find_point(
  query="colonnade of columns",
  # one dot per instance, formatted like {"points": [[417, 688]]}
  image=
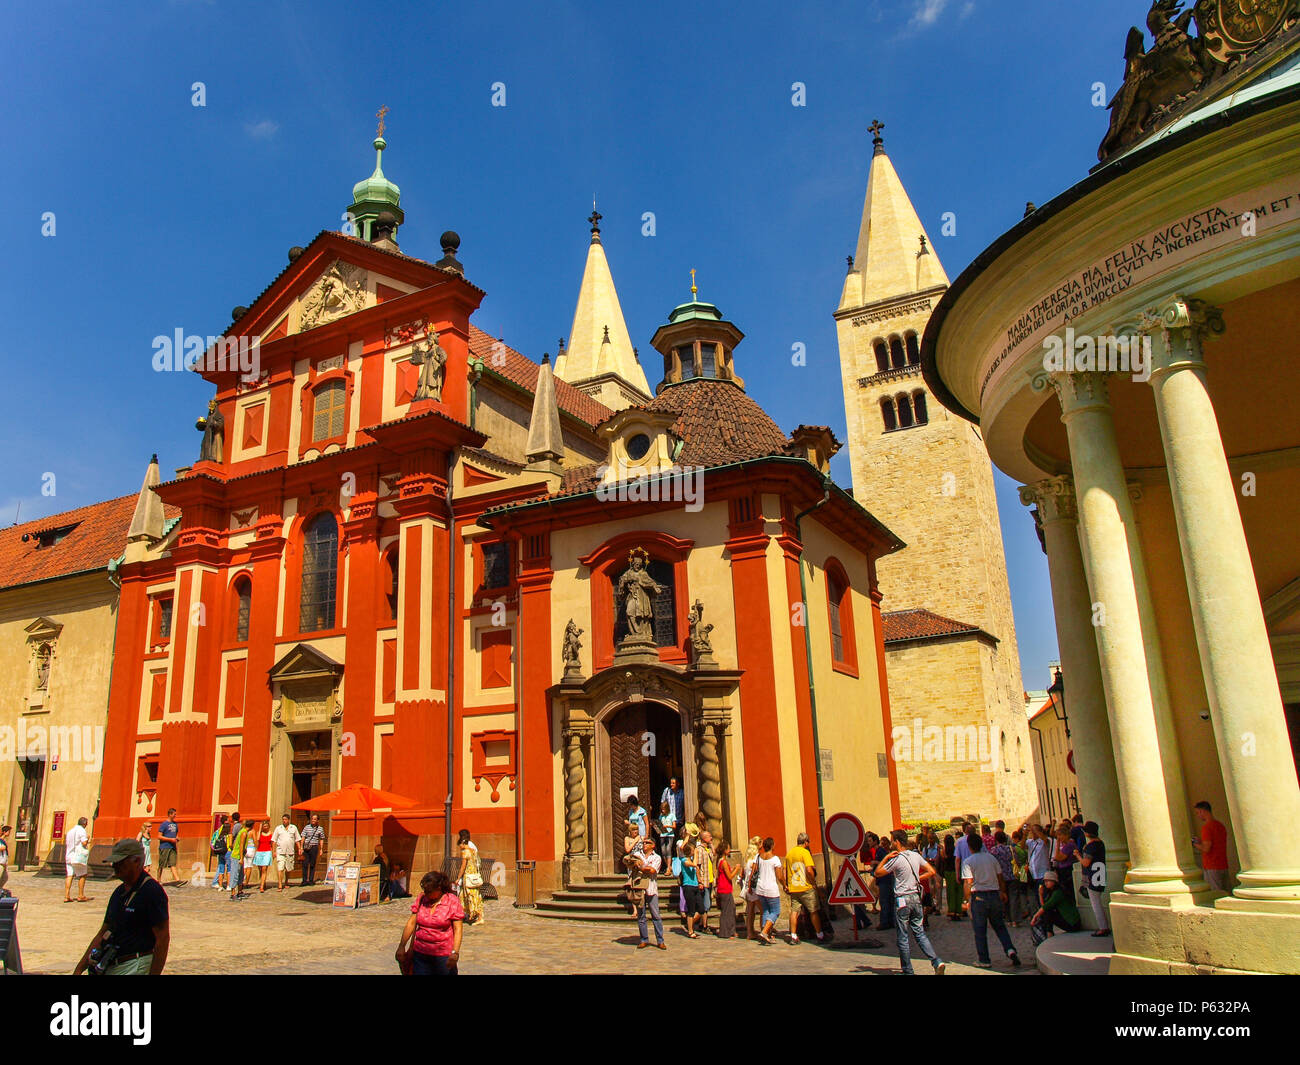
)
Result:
{"points": [[1128, 760]]}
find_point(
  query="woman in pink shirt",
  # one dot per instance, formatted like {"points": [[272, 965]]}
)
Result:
{"points": [[433, 930]]}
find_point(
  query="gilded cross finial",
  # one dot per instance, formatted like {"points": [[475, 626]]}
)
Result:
{"points": [[694, 290], [380, 115]]}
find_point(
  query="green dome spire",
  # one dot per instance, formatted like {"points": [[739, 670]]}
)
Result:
{"points": [[376, 194]]}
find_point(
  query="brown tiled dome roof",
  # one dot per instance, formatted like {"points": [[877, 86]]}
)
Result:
{"points": [[717, 422]]}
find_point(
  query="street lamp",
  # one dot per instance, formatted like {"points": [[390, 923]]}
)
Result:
{"points": [[1057, 694]]}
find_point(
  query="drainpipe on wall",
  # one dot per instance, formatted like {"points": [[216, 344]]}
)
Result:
{"points": [[451, 675], [812, 684], [112, 579]]}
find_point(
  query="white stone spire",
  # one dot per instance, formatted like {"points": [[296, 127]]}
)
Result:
{"points": [[894, 254], [147, 521], [599, 358]]}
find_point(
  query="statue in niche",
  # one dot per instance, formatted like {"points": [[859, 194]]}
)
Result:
{"points": [[213, 428], [635, 588], [430, 357], [572, 652], [43, 655]]}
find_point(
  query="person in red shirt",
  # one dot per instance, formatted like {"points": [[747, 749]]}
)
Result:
{"points": [[1212, 847]]}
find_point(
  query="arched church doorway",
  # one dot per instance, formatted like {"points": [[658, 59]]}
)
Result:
{"points": [[645, 751]]}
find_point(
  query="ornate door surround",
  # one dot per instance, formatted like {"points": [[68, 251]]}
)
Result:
{"points": [[703, 701]]}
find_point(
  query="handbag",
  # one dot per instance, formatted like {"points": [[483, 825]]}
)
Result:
{"points": [[473, 880]]}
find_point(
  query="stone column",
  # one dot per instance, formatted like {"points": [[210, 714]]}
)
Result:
{"points": [[708, 772], [1236, 659], [575, 807], [1085, 698], [1108, 540]]}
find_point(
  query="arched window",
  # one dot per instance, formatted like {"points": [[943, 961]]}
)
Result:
{"points": [[839, 608], [392, 569], [1020, 756], [328, 410], [241, 608], [918, 407], [663, 605], [897, 358], [882, 356], [887, 412], [904, 412], [1006, 762], [320, 561], [913, 351]]}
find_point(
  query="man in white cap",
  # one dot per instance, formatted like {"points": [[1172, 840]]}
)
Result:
{"points": [[136, 933]]}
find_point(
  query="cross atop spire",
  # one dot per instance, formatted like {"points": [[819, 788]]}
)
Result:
{"points": [[380, 115], [594, 218], [876, 139]]}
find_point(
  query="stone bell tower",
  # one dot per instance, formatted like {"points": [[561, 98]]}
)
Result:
{"points": [[926, 474]]}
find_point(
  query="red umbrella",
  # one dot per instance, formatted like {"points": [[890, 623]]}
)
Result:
{"points": [[357, 798]]}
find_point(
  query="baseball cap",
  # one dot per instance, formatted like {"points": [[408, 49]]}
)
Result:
{"points": [[124, 849]]}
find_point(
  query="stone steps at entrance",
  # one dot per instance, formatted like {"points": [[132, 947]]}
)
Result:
{"points": [[595, 898]]}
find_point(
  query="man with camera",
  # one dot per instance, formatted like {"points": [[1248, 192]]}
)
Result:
{"points": [[136, 932]]}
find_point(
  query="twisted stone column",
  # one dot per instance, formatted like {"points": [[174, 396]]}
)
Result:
{"points": [[575, 807], [708, 773]]}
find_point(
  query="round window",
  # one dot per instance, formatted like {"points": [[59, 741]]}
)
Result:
{"points": [[637, 446]]}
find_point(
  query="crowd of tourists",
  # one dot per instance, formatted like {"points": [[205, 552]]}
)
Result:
{"points": [[974, 870]]}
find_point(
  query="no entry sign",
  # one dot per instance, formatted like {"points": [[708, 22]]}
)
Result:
{"points": [[844, 834]]}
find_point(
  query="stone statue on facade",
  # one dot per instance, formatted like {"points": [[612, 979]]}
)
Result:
{"points": [[213, 428], [700, 640], [572, 651], [430, 357], [635, 588], [1156, 82]]}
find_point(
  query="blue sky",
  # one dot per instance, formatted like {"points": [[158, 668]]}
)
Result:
{"points": [[167, 215]]}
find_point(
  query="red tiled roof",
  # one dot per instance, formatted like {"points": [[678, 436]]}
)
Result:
{"points": [[717, 423], [920, 624], [99, 537], [522, 371]]}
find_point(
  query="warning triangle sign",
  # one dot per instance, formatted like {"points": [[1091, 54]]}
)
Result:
{"points": [[849, 887]]}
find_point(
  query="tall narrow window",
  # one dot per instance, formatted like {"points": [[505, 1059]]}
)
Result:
{"points": [[320, 560], [496, 565], [887, 412], [882, 356], [243, 607], [707, 352], [327, 420], [905, 413], [393, 569], [687, 356], [839, 609], [836, 594], [913, 352], [165, 618], [918, 407], [897, 357]]}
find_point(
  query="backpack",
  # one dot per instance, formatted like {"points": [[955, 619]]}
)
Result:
{"points": [[218, 843]]}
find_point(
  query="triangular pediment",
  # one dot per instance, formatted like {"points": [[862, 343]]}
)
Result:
{"points": [[43, 628], [303, 662]]}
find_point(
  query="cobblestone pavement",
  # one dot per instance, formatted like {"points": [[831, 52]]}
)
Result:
{"points": [[300, 933]]}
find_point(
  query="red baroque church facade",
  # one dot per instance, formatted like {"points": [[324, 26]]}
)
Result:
{"points": [[398, 562]]}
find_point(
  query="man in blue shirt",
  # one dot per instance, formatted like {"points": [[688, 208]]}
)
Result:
{"points": [[167, 848], [676, 800]]}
